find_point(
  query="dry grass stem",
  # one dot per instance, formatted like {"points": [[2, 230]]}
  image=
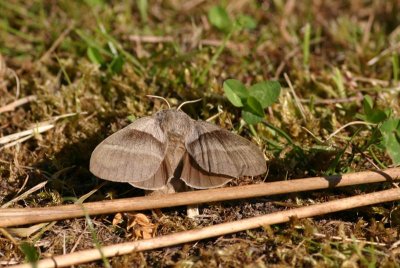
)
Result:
{"points": [[333, 101], [13, 139], [23, 134], [385, 52], [346, 239], [25, 194], [57, 42], [296, 99], [347, 125], [21, 216], [171, 39]]}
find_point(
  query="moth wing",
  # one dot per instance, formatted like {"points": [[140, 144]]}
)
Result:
{"points": [[132, 154], [162, 176], [218, 151], [197, 178]]}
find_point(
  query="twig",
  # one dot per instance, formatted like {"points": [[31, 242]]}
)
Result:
{"points": [[22, 216], [57, 42], [333, 101], [383, 54], [11, 106], [22, 134], [312, 134], [171, 39], [20, 140], [151, 38], [346, 239], [4, 70], [217, 230], [27, 231], [23, 185], [25, 194], [347, 125], [18, 90], [188, 5], [220, 111], [395, 245], [12, 139], [6, 234], [372, 81], [296, 99]]}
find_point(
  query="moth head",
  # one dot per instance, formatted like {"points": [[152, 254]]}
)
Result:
{"points": [[174, 121], [169, 105]]}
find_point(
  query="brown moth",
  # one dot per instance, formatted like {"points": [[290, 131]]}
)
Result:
{"points": [[153, 150]]}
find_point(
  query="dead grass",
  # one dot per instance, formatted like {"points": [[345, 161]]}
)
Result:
{"points": [[45, 44]]}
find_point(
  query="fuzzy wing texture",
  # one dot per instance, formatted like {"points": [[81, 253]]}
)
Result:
{"points": [[197, 178], [218, 151], [134, 154], [157, 181]]}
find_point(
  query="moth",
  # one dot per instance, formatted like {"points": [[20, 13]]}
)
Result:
{"points": [[154, 151]]}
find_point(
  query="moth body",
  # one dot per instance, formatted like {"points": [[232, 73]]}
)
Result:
{"points": [[176, 125], [155, 152]]}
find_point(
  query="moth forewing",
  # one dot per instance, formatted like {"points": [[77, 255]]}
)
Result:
{"points": [[132, 154], [218, 151]]}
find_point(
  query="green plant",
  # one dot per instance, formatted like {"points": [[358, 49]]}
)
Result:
{"points": [[220, 19], [252, 100], [306, 45], [143, 7], [30, 252], [395, 67], [371, 113], [113, 64], [390, 131], [389, 128]]}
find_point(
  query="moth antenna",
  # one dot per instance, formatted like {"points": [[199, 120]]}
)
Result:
{"points": [[161, 98], [186, 102]]}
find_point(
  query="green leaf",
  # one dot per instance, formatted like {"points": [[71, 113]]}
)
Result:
{"points": [[390, 130], [251, 118], [246, 22], [266, 92], [252, 111], [116, 65], [368, 104], [143, 7], [30, 252], [235, 91], [377, 116], [373, 115], [254, 106], [218, 17], [306, 45], [95, 56], [94, 3], [232, 97]]}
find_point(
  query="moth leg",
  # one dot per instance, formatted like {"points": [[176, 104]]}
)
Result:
{"points": [[192, 211]]}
